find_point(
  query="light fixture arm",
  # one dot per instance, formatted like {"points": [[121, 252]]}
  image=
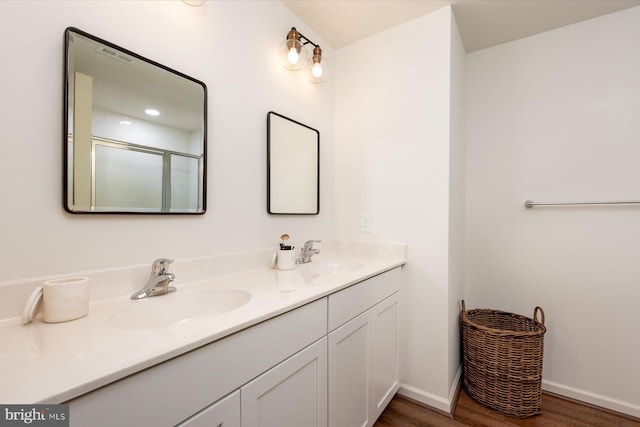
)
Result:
{"points": [[299, 35]]}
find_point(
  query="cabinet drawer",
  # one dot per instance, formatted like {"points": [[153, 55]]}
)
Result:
{"points": [[356, 299]]}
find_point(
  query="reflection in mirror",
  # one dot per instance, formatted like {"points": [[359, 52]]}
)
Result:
{"points": [[135, 132], [293, 167]]}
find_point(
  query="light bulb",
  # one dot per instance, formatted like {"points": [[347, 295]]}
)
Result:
{"points": [[316, 70], [293, 56]]}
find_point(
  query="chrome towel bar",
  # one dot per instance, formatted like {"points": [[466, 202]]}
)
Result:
{"points": [[531, 203]]}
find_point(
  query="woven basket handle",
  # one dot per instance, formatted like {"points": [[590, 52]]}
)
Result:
{"points": [[463, 307], [535, 315]]}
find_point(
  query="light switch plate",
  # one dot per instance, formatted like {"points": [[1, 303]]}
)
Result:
{"points": [[365, 223]]}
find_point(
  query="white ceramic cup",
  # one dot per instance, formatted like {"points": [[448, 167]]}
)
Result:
{"points": [[286, 259], [62, 300]]}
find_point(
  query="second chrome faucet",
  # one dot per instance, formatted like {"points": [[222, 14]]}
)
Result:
{"points": [[308, 251]]}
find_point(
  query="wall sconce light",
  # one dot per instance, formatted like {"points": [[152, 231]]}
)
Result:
{"points": [[294, 56]]}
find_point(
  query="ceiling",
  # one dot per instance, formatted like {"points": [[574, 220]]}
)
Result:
{"points": [[126, 85], [482, 23]]}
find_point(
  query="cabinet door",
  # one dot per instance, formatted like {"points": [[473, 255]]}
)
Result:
{"points": [[384, 354], [349, 399], [223, 413], [292, 394]]}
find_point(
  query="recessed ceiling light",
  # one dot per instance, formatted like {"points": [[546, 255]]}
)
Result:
{"points": [[125, 122], [152, 112]]}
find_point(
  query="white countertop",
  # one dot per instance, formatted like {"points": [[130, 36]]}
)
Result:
{"points": [[53, 363]]}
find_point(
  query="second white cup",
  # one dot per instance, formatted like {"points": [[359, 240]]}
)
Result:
{"points": [[286, 259]]}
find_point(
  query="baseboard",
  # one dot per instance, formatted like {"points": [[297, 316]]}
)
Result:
{"points": [[455, 391], [447, 406], [438, 403], [622, 407], [423, 397]]}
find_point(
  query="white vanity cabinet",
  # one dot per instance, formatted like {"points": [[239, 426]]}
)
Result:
{"points": [[363, 350], [330, 363]]}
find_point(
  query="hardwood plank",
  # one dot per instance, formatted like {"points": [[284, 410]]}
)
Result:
{"points": [[404, 413], [556, 412]]}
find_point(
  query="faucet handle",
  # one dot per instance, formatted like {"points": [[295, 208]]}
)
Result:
{"points": [[308, 248], [311, 245], [160, 266]]}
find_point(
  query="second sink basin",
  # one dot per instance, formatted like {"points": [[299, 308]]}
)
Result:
{"points": [[177, 307], [334, 266]]}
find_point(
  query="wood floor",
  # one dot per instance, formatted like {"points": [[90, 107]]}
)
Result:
{"points": [[556, 412]]}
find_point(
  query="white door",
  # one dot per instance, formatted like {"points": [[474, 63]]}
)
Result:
{"points": [[385, 378], [292, 394], [349, 398]]}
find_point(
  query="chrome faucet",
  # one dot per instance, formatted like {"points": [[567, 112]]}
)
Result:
{"points": [[159, 280], [307, 252]]}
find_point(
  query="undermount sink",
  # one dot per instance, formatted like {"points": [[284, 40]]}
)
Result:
{"points": [[177, 307], [335, 266]]}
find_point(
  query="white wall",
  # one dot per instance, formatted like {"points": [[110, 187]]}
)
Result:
{"points": [[554, 117], [393, 119], [457, 202], [233, 47]]}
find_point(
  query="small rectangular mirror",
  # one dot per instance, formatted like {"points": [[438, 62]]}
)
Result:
{"points": [[293, 167], [135, 132]]}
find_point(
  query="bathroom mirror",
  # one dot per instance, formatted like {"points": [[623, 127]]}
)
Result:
{"points": [[135, 132], [293, 167]]}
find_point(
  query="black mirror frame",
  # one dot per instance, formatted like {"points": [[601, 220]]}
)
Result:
{"points": [[65, 118], [317, 212]]}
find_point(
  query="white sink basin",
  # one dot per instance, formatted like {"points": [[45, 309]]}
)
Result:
{"points": [[177, 307], [335, 266]]}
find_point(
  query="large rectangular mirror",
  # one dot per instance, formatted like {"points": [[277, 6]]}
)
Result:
{"points": [[135, 132], [293, 167]]}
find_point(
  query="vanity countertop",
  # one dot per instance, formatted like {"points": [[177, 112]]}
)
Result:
{"points": [[53, 363]]}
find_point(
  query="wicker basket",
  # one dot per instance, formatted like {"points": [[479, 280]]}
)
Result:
{"points": [[502, 360]]}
